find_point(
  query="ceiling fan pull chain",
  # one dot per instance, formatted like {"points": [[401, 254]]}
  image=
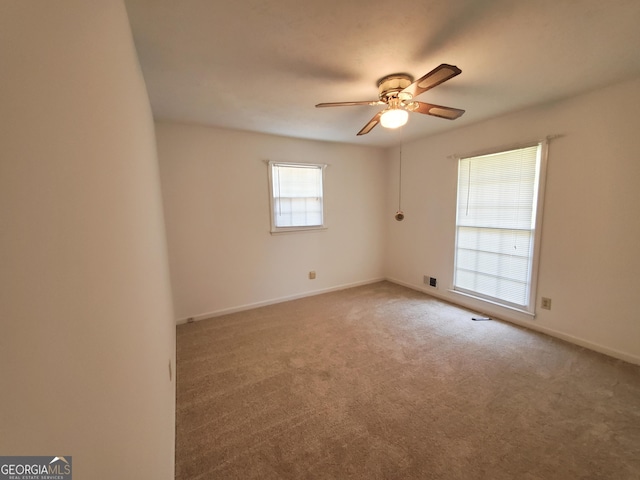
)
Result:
{"points": [[400, 182], [400, 214]]}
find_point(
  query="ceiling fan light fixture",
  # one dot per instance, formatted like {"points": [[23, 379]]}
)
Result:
{"points": [[394, 118]]}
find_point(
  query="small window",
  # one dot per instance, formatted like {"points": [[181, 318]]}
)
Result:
{"points": [[296, 196], [497, 226]]}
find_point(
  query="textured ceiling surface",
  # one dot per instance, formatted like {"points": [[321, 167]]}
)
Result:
{"points": [[262, 65]]}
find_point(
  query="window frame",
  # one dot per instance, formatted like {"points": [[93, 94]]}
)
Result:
{"points": [[272, 198], [538, 206]]}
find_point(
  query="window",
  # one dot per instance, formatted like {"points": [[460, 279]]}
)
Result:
{"points": [[496, 228], [296, 196]]}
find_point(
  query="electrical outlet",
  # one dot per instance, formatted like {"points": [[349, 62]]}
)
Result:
{"points": [[312, 275], [545, 303]]}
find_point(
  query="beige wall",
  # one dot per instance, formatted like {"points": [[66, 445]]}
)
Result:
{"points": [[589, 259], [85, 303], [216, 198]]}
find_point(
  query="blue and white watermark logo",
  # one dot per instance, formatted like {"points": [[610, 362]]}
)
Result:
{"points": [[36, 468]]}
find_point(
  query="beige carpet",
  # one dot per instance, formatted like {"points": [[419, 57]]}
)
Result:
{"points": [[381, 382]]}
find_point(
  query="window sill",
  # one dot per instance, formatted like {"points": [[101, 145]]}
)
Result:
{"points": [[288, 230], [501, 305]]}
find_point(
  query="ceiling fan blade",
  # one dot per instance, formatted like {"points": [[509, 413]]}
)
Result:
{"points": [[438, 110], [372, 123], [349, 104], [435, 77]]}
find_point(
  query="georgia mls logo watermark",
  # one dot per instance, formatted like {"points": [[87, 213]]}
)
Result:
{"points": [[35, 468]]}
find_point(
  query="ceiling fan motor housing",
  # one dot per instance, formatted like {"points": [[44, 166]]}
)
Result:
{"points": [[391, 85]]}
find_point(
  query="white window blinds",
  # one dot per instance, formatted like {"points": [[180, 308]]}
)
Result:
{"points": [[496, 218], [296, 196]]}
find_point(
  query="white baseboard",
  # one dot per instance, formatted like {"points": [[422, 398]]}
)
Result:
{"points": [[249, 306], [627, 357]]}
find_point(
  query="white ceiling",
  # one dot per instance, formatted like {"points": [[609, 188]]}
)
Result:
{"points": [[262, 65]]}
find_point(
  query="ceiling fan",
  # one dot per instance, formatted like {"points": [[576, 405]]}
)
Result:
{"points": [[397, 92]]}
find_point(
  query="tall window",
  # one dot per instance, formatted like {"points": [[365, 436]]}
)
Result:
{"points": [[296, 196], [496, 226]]}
